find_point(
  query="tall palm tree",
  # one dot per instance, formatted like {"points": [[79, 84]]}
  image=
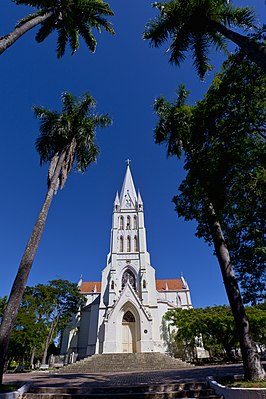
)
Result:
{"points": [[70, 18], [66, 140], [198, 24]]}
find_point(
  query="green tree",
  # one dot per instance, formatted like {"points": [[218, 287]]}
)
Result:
{"points": [[66, 140], [257, 318], [214, 328], [56, 304], [45, 310], [199, 24], [69, 18], [28, 335], [220, 146]]}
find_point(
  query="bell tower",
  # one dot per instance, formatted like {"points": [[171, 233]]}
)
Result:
{"points": [[128, 273], [128, 247]]}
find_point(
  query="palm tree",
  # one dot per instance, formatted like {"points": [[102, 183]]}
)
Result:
{"points": [[66, 140], [198, 24], [70, 18]]}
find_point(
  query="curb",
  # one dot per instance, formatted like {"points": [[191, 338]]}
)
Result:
{"points": [[236, 393], [16, 394]]}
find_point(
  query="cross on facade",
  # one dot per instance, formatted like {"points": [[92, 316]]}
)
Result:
{"points": [[128, 162]]}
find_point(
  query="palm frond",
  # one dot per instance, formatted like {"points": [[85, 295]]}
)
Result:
{"points": [[200, 46], [103, 120], [71, 132], [61, 41], [68, 163], [28, 18], [69, 101], [174, 122], [88, 37], [46, 29], [43, 4], [85, 106], [101, 7], [217, 40], [193, 25], [157, 31], [99, 22], [46, 142], [73, 38], [70, 18], [238, 16], [181, 43]]}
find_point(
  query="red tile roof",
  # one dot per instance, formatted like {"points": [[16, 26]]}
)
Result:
{"points": [[161, 285], [89, 286], [169, 285]]}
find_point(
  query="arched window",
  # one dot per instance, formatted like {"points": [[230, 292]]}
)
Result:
{"points": [[136, 244], [121, 223], [144, 284], [128, 244], [128, 276], [128, 223], [135, 222], [112, 285], [128, 317], [121, 244]]}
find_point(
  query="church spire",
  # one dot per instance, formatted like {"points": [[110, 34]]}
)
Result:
{"points": [[116, 202], [128, 195], [140, 202]]}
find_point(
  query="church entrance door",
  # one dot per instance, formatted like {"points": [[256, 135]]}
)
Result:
{"points": [[128, 333]]}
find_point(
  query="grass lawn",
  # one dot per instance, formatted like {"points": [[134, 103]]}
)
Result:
{"points": [[8, 388], [230, 382]]}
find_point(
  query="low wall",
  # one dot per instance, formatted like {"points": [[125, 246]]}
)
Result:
{"points": [[15, 394], [236, 393]]}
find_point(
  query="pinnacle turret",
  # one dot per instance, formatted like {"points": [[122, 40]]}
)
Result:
{"points": [[116, 202]]}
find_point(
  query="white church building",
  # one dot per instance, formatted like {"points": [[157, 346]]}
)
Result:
{"points": [[124, 312]]}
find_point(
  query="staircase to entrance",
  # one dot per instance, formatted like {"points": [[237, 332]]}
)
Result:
{"points": [[116, 362], [179, 390]]}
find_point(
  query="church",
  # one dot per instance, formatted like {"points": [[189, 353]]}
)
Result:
{"points": [[124, 312]]}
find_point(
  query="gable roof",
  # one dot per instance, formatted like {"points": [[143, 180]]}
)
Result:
{"points": [[161, 285], [91, 286], [175, 284]]}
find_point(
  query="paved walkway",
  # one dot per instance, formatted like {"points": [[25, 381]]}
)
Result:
{"points": [[128, 379]]}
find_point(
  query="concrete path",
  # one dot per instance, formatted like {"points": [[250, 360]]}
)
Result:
{"points": [[125, 379]]}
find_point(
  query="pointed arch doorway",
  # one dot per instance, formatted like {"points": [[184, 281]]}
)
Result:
{"points": [[129, 333]]}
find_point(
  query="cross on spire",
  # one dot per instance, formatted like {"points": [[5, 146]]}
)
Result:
{"points": [[128, 162]]}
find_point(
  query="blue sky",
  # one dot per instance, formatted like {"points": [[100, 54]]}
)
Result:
{"points": [[125, 75]]}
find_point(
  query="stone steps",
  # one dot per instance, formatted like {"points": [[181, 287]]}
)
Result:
{"points": [[158, 391], [115, 362]]}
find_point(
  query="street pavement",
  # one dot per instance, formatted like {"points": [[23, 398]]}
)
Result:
{"points": [[122, 379]]}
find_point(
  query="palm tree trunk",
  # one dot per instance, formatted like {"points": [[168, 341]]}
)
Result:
{"points": [[253, 369], [9, 39], [20, 281], [255, 51]]}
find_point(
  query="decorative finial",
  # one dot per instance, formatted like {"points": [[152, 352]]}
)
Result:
{"points": [[80, 281], [128, 162]]}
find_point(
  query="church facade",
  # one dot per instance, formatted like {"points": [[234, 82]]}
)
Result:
{"points": [[124, 312]]}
